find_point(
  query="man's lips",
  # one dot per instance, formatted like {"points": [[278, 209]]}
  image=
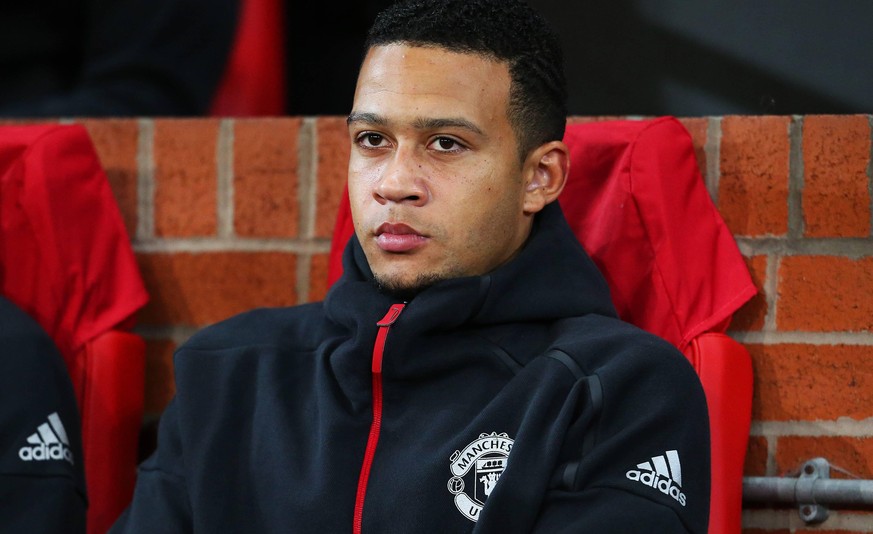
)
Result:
{"points": [[398, 237]]}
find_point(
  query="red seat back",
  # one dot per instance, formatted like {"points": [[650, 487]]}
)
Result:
{"points": [[254, 79], [636, 201], [67, 261]]}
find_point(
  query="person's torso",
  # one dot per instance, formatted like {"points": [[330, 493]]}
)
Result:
{"points": [[284, 437]]}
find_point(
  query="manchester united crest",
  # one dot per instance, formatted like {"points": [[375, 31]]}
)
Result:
{"points": [[475, 471]]}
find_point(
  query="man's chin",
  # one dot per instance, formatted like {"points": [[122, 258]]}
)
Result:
{"points": [[405, 289]]}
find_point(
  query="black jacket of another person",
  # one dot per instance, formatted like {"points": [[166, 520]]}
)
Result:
{"points": [[42, 480]]}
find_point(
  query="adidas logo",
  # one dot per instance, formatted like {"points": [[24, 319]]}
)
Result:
{"points": [[49, 442], [665, 475]]}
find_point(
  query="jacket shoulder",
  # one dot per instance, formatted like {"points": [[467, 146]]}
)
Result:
{"points": [[596, 342], [303, 324], [643, 402]]}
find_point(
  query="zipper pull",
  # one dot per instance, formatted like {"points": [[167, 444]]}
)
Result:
{"points": [[384, 325], [392, 315]]}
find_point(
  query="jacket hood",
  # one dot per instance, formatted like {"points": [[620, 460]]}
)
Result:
{"points": [[552, 277]]}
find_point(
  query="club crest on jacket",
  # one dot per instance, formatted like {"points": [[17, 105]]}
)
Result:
{"points": [[476, 470]]}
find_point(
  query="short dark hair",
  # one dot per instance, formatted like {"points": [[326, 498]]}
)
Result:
{"points": [[503, 30]]}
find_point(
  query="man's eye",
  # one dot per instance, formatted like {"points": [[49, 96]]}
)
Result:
{"points": [[371, 140], [446, 144]]}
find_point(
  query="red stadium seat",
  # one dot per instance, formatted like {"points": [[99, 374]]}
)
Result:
{"points": [[636, 201], [67, 261], [254, 79]]}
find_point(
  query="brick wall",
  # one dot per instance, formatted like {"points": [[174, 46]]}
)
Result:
{"points": [[226, 215]]}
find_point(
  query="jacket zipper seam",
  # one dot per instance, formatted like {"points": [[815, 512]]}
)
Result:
{"points": [[376, 424]]}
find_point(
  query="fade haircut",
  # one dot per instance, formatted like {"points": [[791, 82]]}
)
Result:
{"points": [[508, 31]]}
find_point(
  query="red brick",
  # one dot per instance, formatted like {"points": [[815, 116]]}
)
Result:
{"points": [[751, 315], [265, 178], [812, 382], [116, 142], [333, 170], [697, 128], [159, 386], [200, 289], [852, 454], [753, 183], [318, 277], [185, 177], [824, 293], [756, 457], [836, 152]]}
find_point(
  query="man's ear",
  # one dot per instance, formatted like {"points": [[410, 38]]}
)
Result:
{"points": [[545, 173]]}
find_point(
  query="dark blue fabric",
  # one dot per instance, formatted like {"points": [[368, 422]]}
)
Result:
{"points": [[40, 490]]}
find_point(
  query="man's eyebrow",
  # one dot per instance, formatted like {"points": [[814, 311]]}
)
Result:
{"points": [[421, 123], [451, 122], [369, 118]]}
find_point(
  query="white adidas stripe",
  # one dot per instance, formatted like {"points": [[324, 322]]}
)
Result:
{"points": [[45, 432], [51, 432], [61, 432], [675, 466], [669, 467]]}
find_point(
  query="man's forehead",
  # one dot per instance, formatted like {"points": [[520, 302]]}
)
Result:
{"points": [[436, 49], [430, 87]]}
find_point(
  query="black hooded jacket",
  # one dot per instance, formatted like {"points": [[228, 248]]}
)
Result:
{"points": [[366, 413]]}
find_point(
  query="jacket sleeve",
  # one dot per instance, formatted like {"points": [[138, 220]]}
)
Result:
{"points": [[636, 459], [42, 483], [160, 501]]}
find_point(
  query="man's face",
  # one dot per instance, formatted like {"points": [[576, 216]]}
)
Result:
{"points": [[435, 178]]}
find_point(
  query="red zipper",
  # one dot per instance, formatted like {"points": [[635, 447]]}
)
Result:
{"points": [[373, 439]]}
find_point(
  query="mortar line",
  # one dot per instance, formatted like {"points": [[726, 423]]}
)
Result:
{"points": [[224, 159], [307, 178], [771, 292], [850, 247], [145, 183], [307, 175], [841, 427], [176, 333], [772, 451], [205, 245], [796, 222], [855, 339], [712, 149]]}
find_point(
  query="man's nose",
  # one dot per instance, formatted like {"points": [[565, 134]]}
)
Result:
{"points": [[402, 180]]}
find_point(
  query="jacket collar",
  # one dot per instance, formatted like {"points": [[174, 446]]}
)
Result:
{"points": [[551, 278]]}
